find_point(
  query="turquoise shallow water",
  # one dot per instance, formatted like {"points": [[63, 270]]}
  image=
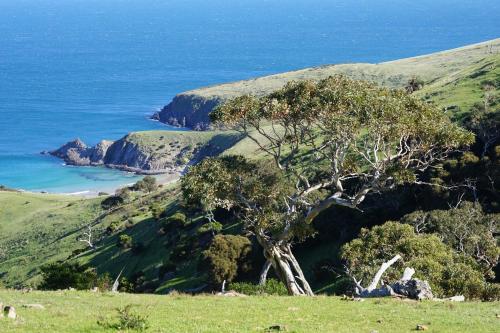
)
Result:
{"points": [[96, 69]]}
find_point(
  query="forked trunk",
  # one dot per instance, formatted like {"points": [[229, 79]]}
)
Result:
{"points": [[286, 267]]}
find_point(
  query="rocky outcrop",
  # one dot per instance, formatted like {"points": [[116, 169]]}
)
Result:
{"points": [[188, 110], [150, 152], [121, 154], [76, 152]]}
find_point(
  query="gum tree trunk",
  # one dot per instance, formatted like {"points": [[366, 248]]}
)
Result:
{"points": [[286, 267]]}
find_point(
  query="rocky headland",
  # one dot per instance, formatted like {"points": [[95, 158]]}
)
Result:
{"points": [[150, 152]]}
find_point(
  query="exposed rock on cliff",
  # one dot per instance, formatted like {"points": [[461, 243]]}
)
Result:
{"points": [[150, 152], [188, 110]]}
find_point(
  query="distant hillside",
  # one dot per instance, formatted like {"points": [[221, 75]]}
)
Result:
{"points": [[191, 108]]}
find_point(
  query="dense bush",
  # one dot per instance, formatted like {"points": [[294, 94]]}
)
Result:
{"points": [[272, 287], [174, 221], [125, 241], [225, 254], [491, 292], [147, 184], [466, 229], [111, 202], [157, 210], [448, 273], [210, 227], [64, 275]]}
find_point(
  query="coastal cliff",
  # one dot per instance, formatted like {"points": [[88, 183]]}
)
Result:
{"points": [[149, 152], [190, 109]]}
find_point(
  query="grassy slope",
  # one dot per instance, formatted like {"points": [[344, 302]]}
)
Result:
{"points": [[460, 90], [167, 143], [79, 312], [36, 228], [41, 228], [394, 73]]}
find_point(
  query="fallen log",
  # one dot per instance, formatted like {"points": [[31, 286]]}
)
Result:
{"points": [[406, 286]]}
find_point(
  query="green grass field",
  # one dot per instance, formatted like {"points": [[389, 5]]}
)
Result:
{"points": [[71, 311]]}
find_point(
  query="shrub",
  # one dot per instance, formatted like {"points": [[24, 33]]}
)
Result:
{"points": [[210, 227], [123, 194], [113, 227], [157, 210], [64, 275], [125, 285], [127, 320], [491, 292], [111, 202], [174, 221], [104, 282], [147, 184], [272, 287], [225, 254], [466, 229], [125, 241], [448, 273]]}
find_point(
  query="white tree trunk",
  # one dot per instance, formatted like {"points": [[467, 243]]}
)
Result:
{"points": [[286, 267], [263, 273]]}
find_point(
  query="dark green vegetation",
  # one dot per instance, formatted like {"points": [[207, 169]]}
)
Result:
{"points": [[330, 140]]}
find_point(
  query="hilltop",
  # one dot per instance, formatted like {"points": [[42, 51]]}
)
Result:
{"points": [[191, 108]]}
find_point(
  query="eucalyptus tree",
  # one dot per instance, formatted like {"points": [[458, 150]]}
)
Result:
{"points": [[332, 142]]}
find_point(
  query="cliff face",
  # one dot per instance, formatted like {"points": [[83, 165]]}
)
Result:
{"points": [[149, 152], [190, 109]]}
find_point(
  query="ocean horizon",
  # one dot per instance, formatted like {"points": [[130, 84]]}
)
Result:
{"points": [[99, 69]]}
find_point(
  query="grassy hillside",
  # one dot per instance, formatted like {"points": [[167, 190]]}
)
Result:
{"points": [[459, 91], [170, 143], [80, 311], [393, 73], [192, 107], [39, 228]]}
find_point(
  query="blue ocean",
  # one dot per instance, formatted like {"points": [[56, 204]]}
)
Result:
{"points": [[97, 69]]}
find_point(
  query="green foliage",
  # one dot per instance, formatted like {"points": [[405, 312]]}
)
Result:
{"points": [[125, 241], [225, 254], [213, 227], [174, 221], [147, 184], [115, 200], [124, 194], [466, 229], [448, 273], [232, 182], [491, 292], [157, 210], [127, 320], [272, 287], [104, 282], [64, 275]]}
